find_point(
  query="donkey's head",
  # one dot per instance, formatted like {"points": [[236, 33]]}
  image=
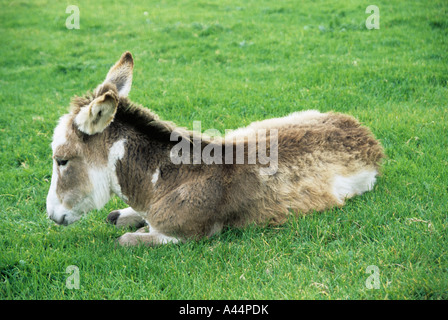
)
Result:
{"points": [[83, 161]]}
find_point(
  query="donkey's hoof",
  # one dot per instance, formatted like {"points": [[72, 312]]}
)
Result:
{"points": [[113, 217], [125, 218]]}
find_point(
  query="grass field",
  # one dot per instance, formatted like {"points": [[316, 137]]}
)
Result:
{"points": [[226, 64]]}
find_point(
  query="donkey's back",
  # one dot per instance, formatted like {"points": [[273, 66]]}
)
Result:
{"points": [[323, 159]]}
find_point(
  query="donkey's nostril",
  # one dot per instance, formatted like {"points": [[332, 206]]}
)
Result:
{"points": [[58, 220], [62, 220]]}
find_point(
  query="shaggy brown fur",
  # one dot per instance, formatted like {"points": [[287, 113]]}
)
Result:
{"points": [[195, 200]]}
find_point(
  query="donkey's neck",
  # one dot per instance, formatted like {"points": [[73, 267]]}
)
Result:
{"points": [[137, 160]]}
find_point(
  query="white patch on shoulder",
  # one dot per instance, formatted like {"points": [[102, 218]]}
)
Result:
{"points": [[155, 176], [116, 153], [357, 184]]}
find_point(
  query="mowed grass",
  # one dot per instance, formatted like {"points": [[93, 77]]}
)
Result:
{"points": [[226, 64]]}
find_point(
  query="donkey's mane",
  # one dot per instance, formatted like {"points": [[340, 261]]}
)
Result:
{"points": [[141, 119], [145, 121]]}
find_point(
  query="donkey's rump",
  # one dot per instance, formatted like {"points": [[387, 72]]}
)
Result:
{"points": [[322, 159]]}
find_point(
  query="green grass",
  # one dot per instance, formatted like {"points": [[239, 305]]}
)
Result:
{"points": [[226, 64]]}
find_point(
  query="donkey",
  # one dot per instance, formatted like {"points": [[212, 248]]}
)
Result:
{"points": [[108, 145]]}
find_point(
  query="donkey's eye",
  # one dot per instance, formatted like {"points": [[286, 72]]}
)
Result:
{"points": [[61, 162]]}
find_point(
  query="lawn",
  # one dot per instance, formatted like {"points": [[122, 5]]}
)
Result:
{"points": [[226, 64]]}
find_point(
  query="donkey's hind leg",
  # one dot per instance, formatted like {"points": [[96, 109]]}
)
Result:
{"points": [[126, 218]]}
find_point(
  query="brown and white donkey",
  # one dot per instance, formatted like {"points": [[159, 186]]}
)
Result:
{"points": [[108, 145]]}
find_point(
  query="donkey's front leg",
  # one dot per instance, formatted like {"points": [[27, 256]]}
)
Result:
{"points": [[153, 238], [126, 218]]}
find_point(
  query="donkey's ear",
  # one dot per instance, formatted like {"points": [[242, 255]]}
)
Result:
{"points": [[95, 117], [121, 74]]}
